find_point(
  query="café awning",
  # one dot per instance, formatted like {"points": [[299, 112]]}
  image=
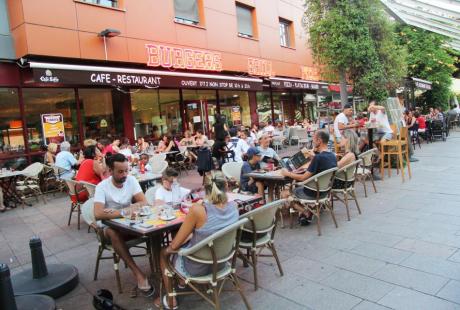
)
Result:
{"points": [[295, 84], [69, 74]]}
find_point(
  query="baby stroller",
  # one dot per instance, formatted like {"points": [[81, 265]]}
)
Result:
{"points": [[438, 130]]}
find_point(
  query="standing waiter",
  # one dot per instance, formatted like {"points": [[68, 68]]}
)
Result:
{"points": [[220, 131]]}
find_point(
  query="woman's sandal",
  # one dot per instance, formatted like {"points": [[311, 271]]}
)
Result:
{"points": [[164, 300], [145, 292]]}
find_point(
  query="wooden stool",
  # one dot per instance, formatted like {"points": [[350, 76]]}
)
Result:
{"points": [[398, 147]]}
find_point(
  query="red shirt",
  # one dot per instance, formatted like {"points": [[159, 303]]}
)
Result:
{"points": [[86, 172], [421, 122]]}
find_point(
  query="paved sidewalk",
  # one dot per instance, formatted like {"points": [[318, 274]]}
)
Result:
{"points": [[401, 253]]}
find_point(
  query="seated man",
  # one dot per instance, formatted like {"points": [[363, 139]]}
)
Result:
{"points": [[170, 190], [66, 161], [248, 184], [321, 160], [267, 153], [114, 195]]}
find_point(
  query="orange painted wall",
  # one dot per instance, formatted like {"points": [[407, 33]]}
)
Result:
{"points": [[68, 28]]}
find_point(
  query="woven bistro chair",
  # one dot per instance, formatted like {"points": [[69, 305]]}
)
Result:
{"points": [[29, 183], [104, 243], [158, 166], [90, 188], [218, 249], [78, 195], [364, 171], [259, 234], [347, 175], [232, 171], [320, 183]]}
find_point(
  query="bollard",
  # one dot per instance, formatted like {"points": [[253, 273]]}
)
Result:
{"points": [[39, 269], [7, 299]]}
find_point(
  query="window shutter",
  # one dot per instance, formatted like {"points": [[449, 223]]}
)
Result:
{"points": [[187, 9], [244, 16]]}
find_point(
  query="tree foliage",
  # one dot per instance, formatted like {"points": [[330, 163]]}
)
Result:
{"points": [[357, 38], [428, 59]]}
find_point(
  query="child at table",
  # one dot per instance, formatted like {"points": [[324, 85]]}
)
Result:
{"points": [[144, 159], [248, 184], [170, 190]]}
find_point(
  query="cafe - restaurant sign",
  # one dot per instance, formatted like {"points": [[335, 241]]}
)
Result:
{"points": [[53, 128], [182, 58]]}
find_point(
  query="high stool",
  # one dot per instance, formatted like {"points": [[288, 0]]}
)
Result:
{"points": [[398, 147]]}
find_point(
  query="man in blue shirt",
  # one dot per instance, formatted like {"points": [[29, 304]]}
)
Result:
{"points": [[66, 161], [248, 184], [321, 160]]}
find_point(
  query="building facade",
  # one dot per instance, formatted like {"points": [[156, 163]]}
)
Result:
{"points": [[78, 69]]}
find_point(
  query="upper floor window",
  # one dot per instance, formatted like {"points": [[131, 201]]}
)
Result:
{"points": [[187, 11], [245, 21], [109, 3], [285, 33]]}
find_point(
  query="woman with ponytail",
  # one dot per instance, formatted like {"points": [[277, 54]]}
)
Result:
{"points": [[206, 217]]}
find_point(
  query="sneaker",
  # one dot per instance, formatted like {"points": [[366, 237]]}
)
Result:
{"points": [[304, 221]]}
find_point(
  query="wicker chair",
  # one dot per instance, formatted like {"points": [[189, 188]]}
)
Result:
{"points": [[219, 248], [78, 195], [232, 172], [29, 185], [364, 171], [346, 175], [260, 232]]}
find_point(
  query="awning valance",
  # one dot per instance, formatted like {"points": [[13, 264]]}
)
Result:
{"points": [[422, 84], [54, 73], [294, 84]]}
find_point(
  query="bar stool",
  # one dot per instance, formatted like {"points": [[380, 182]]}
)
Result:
{"points": [[399, 146]]}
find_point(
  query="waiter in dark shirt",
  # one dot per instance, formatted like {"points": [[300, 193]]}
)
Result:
{"points": [[321, 160]]}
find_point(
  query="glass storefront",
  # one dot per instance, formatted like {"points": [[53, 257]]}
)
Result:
{"points": [[282, 107], [38, 101], [198, 104], [264, 106], [11, 131], [234, 106]]}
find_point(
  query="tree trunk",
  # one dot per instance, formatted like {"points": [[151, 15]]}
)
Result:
{"points": [[343, 87]]}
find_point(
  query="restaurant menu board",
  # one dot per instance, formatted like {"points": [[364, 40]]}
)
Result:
{"points": [[53, 128]]}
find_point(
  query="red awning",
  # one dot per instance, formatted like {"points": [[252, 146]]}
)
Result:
{"points": [[336, 88]]}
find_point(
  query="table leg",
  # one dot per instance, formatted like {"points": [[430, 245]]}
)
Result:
{"points": [[271, 191], [370, 137]]}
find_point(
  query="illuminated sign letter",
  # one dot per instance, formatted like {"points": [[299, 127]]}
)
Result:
{"points": [[165, 56], [179, 61], [189, 59], [153, 56], [199, 60]]}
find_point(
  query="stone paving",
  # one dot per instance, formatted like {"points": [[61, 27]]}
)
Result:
{"points": [[401, 253]]}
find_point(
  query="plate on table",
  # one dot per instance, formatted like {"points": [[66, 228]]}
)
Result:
{"points": [[167, 218]]}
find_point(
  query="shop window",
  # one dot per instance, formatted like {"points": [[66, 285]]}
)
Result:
{"points": [[264, 107], [199, 104], [47, 111], [155, 112], [188, 11], [101, 113], [109, 3], [234, 106], [11, 131], [246, 21], [286, 33], [282, 107]]}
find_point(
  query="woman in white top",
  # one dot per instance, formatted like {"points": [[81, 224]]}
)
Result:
{"points": [[242, 146], [377, 112], [165, 193]]}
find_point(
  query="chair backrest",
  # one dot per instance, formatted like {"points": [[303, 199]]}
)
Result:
{"points": [[366, 157], [348, 172], [71, 185], [320, 182], [87, 211], [157, 157], [221, 245], [403, 134], [232, 170], [394, 128], [150, 194], [262, 219], [91, 188], [33, 170], [302, 133], [158, 166]]}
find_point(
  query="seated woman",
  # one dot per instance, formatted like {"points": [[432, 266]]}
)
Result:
{"points": [[125, 149], [91, 170], [165, 144], [50, 154], [200, 138], [204, 219], [188, 140], [349, 142], [141, 145]]}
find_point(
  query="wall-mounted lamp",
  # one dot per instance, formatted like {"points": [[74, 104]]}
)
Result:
{"points": [[108, 33]]}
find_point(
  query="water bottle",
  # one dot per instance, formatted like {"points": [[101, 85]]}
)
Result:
{"points": [[175, 189]]}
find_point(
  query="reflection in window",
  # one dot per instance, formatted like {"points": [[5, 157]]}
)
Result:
{"points": [[171, 121], [264, 107], [285, 36], [298, 106], [38, 101], [109, 3], [282, 108], [97, 113], [244, 16], [234, 105], [187, 11], [196, 102], [11, 135]]}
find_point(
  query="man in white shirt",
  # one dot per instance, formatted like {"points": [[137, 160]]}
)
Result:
{"points": [[112, 198], [342, 122], [266, 152], [242, 146], [269, 129], [66, 161], [166, 193], [384, 131]]}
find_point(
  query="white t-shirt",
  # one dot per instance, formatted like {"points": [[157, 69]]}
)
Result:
{"points": [[341, 118], [167, 196], [269, 129], [383, 125], [117, 198], [241, 148]]}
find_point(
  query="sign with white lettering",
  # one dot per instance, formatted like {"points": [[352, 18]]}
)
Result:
{"points": [[74, 77], [292, 84]]}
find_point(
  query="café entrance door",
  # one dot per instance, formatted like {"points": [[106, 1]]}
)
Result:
{"points": [[200, 107]]}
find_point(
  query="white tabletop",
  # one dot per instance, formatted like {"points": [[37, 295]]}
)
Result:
{"points": [[9, 174], [147, 176]]}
